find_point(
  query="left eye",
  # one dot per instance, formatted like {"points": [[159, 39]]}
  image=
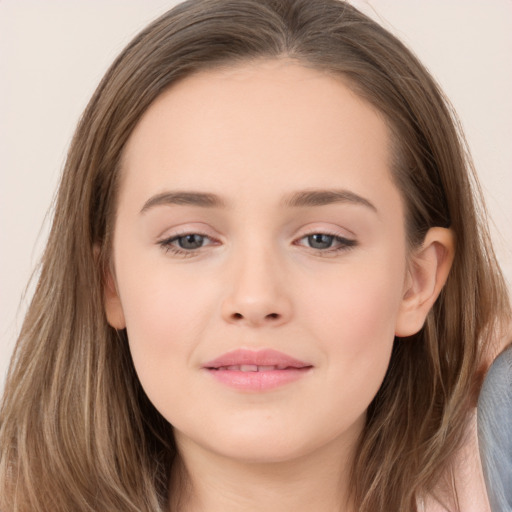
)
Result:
{"points": [[320, 241], [192, 241], [323, 241]]}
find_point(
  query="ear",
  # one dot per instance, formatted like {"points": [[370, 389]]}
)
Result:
{"points": [[113, 306], [429, 267]]}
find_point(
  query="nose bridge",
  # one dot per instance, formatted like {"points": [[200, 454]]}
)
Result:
{"points": [[257, 292]]}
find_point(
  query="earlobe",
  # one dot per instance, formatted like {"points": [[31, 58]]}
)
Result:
{"points": [[429, 267]]}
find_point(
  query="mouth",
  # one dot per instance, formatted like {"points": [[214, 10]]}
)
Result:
{"points": [[256, 371], [252, 368]]}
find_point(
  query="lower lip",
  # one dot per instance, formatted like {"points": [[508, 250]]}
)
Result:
{"points": [[258, 381]]}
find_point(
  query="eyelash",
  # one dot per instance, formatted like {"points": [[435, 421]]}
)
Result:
{"points": [[168, 247], [345, 244]]}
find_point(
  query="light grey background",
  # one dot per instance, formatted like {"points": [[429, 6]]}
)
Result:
{"points": [[54, 52]]}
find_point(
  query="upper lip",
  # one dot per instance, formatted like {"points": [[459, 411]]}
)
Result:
{"points": [[266, 357]]}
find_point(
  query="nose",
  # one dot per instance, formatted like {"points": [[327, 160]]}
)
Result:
{"points": [[258, 295]]}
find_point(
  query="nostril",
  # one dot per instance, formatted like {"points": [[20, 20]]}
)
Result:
{"points": [[272, 316]]}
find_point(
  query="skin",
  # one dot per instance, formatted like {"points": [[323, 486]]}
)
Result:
{"points": [[254, 135]]}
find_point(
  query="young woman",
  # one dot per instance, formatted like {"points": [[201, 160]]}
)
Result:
{"points": [[267, 285]]}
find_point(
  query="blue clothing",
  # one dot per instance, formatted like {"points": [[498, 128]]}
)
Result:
{"points": [[495, 432]]}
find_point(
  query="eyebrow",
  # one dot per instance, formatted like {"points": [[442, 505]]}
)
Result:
{"points": [[202, 199], [307, 198], [299, 199]]}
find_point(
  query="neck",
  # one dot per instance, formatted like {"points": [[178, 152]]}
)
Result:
{"points": [[207, 482]]}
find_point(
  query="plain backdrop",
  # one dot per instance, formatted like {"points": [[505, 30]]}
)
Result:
{"points": [[54, 52]]}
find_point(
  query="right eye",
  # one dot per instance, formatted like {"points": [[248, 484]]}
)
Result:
{"points": [[187, 244]]}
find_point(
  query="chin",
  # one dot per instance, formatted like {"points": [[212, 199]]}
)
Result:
{"points": [[262, 451], [269, 445]]}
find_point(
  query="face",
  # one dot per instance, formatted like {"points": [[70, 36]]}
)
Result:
{"points": [[259, 259]]}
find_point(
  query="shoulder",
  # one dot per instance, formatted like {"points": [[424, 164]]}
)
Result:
{"points": [[466, 479], [497, 386], [494, 431], [486, 456]]}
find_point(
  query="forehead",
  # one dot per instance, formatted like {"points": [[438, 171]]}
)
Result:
{"points": [[275, 121]]}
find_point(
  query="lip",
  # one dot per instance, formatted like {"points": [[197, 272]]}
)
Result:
{"points": [[256, 371]]}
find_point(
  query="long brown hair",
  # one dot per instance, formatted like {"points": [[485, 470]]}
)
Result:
{"points": [[76, 430]]}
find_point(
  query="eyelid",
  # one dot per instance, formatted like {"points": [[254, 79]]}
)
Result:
{"points": [[175, 236], [341, 238], [329, 229], [182, 229], [166, 243], [344, 242]]}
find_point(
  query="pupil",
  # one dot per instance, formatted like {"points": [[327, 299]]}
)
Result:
{"points": [[319, 241], [191, 241]]}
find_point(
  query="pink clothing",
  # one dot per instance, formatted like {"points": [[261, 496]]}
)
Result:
{"points": [[469, 480]]}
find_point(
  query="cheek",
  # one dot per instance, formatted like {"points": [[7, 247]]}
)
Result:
{"points": [[360, 304], [354, 323], [165, 315], [165, 318]]}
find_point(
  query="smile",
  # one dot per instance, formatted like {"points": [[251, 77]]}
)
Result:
{"points": [[256, 371], [251, 368]]}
